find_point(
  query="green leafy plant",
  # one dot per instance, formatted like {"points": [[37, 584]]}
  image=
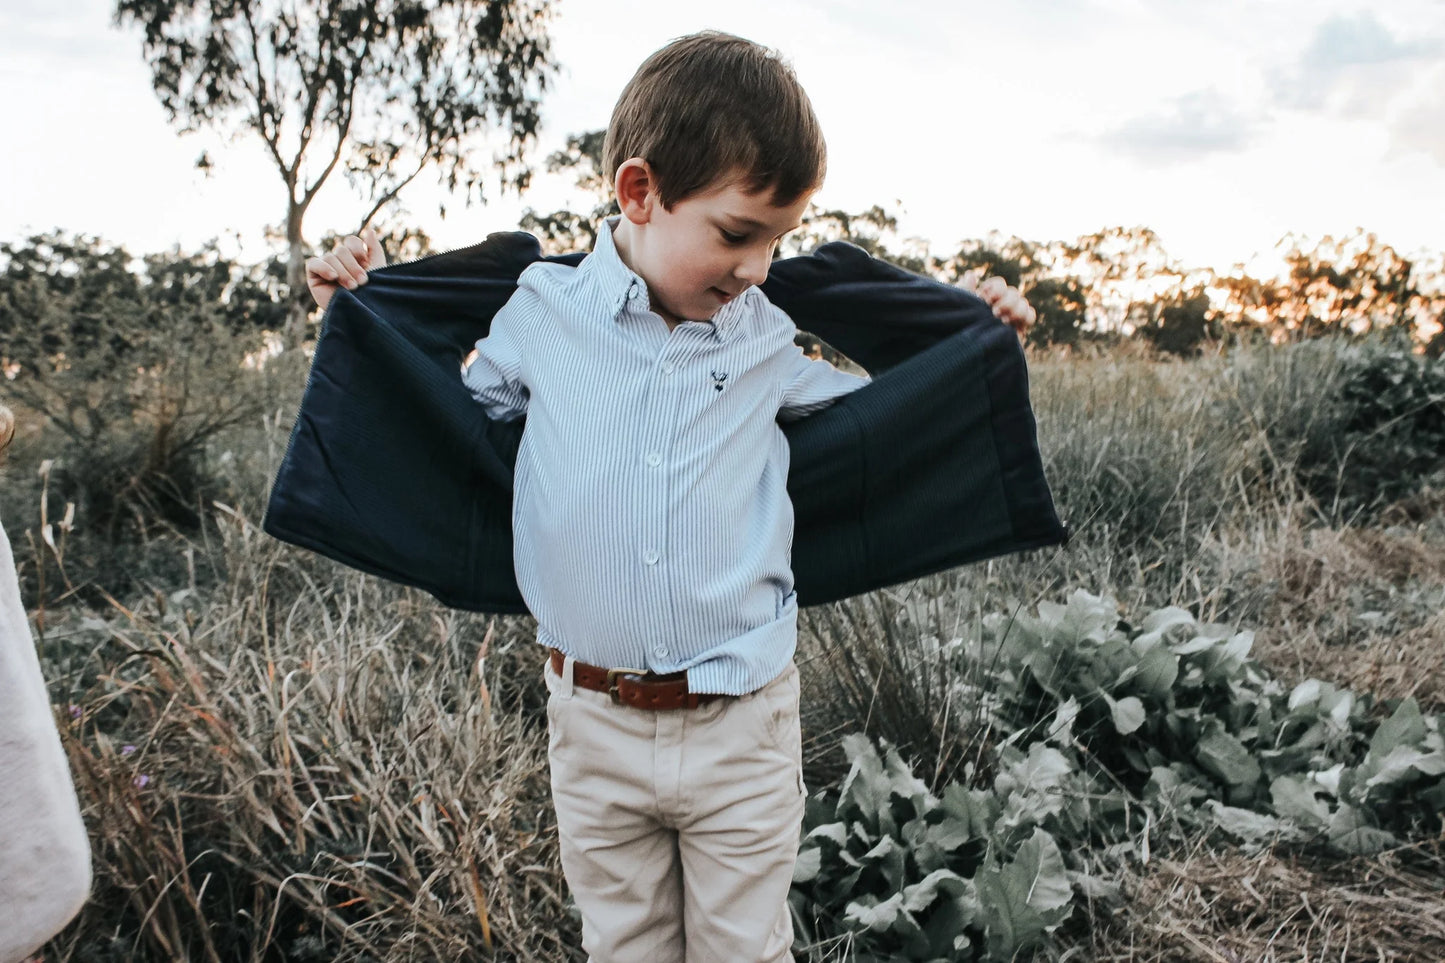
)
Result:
{"points": [[1179, 696], [913, 876], [1098, 731]]}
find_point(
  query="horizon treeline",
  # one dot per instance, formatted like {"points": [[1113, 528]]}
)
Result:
{"points": [[1117, 284]]}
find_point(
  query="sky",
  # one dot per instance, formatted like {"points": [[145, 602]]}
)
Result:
{"points": [[1223, 126]]}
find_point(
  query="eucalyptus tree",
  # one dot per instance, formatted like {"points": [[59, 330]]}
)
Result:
{"points": [[566, 230], [383, 89]]}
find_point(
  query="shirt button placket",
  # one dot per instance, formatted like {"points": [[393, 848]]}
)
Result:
{"points": [[655, 438]]}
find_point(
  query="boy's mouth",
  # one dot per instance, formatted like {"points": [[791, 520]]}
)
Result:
{"points": [[722, 295]]}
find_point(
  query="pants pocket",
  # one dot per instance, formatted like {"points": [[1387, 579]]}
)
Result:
{"points": [[776, 705], [556, 710]]}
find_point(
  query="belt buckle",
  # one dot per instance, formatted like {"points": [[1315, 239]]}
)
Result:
{"points": [[612, 675]]}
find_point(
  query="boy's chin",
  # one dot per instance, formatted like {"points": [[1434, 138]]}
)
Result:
{"points": [[701, 309]]}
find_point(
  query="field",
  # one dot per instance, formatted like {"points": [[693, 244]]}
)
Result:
{"points": [[279, 758]]}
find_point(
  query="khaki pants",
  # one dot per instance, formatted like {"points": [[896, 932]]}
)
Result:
{"points": [[679, 829]]}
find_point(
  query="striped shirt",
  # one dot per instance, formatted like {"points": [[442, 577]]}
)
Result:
{"points": [[651, 521]]}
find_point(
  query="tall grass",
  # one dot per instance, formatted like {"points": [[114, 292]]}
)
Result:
{"points": [[308, 764]]}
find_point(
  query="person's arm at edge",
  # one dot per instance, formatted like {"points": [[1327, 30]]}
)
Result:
{"points": [[45, 873]]}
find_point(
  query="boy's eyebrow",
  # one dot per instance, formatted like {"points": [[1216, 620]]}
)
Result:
{"points": [[754, 225]]}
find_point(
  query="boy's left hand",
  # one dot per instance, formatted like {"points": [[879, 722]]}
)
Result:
{"points": [[1009, 306]]}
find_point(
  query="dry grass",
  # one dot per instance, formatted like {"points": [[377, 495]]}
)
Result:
{"points": [[1360, 607], [1229, 907], [314, 766]]}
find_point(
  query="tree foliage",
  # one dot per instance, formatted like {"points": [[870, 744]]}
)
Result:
{"points": [[1354, 284], [565, 230], [875, 230], [381, 88], [136, 363], [1179, 322]]}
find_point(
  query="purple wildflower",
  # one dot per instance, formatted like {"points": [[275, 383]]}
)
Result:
{"points": [[142, 781], [126, 750], [75, 711]]}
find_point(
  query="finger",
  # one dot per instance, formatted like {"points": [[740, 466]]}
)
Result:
{"points": [[1002, 310], [358, 249], [375, 256], [350, 272], [317, 267], [993, 289], [969, 281], [1011, 307]]}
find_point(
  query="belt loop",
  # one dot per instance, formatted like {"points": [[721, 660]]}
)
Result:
{"points": [[569, 673]]}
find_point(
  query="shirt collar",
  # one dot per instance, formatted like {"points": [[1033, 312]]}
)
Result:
{"points": [[618, 284]]}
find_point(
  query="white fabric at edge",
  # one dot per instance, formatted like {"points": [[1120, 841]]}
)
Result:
{"points": [[44, 853]]}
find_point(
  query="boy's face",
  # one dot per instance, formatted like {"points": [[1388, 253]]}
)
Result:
{"points": [[707, 250]]}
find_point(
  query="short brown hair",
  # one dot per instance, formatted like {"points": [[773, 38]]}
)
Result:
{"points": [[710, 104]]}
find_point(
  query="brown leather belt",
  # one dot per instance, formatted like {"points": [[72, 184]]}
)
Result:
{"points": [[636, 687]]}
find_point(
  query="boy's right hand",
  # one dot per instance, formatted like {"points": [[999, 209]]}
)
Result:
{"points": [[345, 266]]}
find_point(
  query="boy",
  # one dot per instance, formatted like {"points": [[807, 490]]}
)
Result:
{"points": [[651, 521]]}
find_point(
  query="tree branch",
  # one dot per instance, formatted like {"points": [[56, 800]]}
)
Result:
{"points": [[391, 194], [343, 129], [264, 108]]}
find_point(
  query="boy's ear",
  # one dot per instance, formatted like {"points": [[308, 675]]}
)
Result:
{"points": [[636, 190]]}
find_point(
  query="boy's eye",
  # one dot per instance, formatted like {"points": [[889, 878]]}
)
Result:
{"points": [[732, 238]]}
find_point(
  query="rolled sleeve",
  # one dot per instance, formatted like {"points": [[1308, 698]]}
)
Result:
{"points": [[813, 384], [495, 376]]}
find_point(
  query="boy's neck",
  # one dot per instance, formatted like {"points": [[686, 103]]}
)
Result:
{"points": [[622, 241], [622, 238]]}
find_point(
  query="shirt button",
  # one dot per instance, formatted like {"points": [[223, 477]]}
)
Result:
{"points": [[667, 367], [654, 459], [632, 290], [650, 557], [660, 651]]}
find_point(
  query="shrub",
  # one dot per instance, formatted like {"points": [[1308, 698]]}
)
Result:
{"points": [[1391, 435], [1355, 424], [132, 371]]}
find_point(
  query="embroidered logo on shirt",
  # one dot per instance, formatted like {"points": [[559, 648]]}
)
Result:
{"points": [[718, 378]]}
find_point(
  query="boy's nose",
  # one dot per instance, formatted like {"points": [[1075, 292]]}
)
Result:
{"points": [[754, 268]]}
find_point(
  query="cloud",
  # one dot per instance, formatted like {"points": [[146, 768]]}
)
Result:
{"points": [[1353, 64], [1420, 125], [64, 35], [1194, 125]]}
